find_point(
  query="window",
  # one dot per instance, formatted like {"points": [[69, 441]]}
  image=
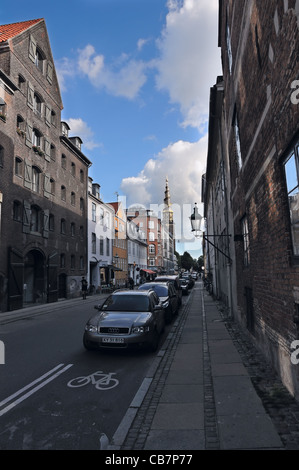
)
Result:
{"points": [[101, 245], [73, 229], [81, 232], [81, 262], [18, 166], [36, 137], [52, 152], [93, 243], [93, 212], [63, 193], [237, 140], [229, 48], [107, 247], [1, 156], [152, 249], [62, 260], [53, 118], [81, 203], [35, 179], [151, 237], [17, 211], [73, 169], [20, 125], [39, 59], [2, 109], [81, 176], [62, 226], [245, 233], [292, 182], [21, 83], [63, 161], [151, 224], [37, 105], [51, 222], [73, 198], [73, 261], [35, 221]]}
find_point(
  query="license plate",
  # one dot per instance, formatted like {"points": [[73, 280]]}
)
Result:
{"points": [[113, 340]]}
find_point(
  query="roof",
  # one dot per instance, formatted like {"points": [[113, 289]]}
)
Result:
{"points": [[8, 31]]}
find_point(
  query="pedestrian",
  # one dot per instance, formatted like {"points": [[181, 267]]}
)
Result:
{"points": [[84, 287], [131, 282]]}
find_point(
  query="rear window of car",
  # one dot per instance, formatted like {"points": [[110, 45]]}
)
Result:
{"points": [[161, 291], [127, 303]]}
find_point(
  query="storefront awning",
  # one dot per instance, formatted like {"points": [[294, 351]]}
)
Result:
{"points": [[148, 271]]}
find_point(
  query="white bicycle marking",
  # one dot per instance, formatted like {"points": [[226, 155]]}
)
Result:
{"points": [[101, 380]]}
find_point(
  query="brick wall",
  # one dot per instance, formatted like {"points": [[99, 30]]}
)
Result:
{"points": [[264, 45]]}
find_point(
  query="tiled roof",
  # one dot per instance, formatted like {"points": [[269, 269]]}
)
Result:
{"points": [[8, 31]]}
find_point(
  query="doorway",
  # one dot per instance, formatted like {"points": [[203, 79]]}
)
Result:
{"points": [[34, 278]]}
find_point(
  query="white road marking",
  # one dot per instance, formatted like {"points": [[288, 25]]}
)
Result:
{"points": [[33, 390]]}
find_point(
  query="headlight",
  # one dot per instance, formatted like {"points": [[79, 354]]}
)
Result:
{"points": [[140, 329], [91, 328]]}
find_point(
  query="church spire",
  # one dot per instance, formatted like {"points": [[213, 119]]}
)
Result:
{"points": [[167, 195], [167, 211]]}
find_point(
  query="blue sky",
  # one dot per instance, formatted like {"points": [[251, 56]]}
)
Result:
{"points": [[135, 77]]}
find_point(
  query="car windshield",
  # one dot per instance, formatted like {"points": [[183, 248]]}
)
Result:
{"points": [[127, 303], [161, 291]]}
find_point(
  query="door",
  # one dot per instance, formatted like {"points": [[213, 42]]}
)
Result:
{"points": [[15, 279], [52, 292]]}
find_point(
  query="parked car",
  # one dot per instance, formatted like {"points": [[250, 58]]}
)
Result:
{"points": [[194, 275], [185, 286], [176, 283], [126, 318], [189, 279], [167, 295]]}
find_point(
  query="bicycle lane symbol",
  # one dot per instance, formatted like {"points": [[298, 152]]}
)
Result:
{"points": [[101, 380]]}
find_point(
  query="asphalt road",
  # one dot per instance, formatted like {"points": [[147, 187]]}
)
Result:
{"points": [[42, 406]]}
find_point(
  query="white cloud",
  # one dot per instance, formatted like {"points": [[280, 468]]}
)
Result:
{"points": [[183, 163], [123, 78], [189, 58], [64, 69], [79, 128]]}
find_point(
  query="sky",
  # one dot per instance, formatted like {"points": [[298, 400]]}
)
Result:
{"points": [[135, 79]]}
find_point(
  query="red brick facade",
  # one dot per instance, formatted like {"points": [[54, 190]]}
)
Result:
{"points": [[43, 179], [259, 42]]}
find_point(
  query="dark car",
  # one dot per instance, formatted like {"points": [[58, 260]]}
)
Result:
{"points": [[126, 318], [189, 279], [167, 295], [185, 286], [175, 280]]}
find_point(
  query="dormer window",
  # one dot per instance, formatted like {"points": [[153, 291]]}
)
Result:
{"points": [[65, 129], [77, 142]]}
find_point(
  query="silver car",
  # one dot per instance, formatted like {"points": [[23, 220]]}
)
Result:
{"points": [[126, 319]]}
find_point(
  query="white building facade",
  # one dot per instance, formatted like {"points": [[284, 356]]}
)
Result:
{"points": [[100, 240]]}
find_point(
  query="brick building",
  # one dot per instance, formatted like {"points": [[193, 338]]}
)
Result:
{"points": [[43, 176], [258, 137]]}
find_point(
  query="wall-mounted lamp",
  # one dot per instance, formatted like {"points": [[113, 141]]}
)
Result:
{"points": [[196, 221]]}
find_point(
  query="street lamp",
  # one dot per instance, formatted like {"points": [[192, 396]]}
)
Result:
{"points": [[196, 219]]}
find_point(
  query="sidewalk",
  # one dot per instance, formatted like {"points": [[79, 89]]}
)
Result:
{"points": [[199, 395]]}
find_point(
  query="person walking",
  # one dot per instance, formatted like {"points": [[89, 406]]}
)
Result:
{"points": [[84, 287]]}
